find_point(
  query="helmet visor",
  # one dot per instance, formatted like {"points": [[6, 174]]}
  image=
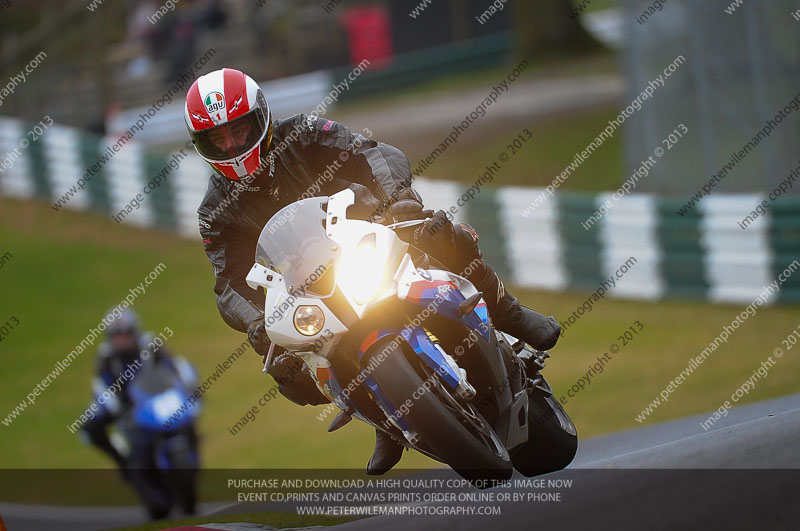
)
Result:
{"points": [[231, 139]]}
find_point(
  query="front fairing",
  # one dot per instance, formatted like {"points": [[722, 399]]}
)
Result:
{"points": [[159, 400], [310, 254]]}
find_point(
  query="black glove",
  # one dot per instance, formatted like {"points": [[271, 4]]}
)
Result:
{"points": [[406, 205], [455, 246], [295, 384], [437, 232], [367, 206], [257, 335]]}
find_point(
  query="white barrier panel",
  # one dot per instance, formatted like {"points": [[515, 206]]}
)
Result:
{"points": [[190, 185], [737, 262], [629, 230], [441, 195], [15, 174], [126, 179], [65, 166], [534, 243]]}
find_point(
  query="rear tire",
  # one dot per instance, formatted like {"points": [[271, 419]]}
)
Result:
{"points": [[441, 429], [551, 445]]}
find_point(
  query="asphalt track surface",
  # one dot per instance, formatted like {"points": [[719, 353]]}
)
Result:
{"points": [[743, 473]]}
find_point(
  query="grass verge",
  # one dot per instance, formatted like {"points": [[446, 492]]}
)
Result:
{"points": [[68, 268]]}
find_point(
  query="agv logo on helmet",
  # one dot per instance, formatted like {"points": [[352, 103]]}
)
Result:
{"points": [[215, 102]]}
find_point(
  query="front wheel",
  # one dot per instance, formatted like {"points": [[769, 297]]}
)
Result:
{"points": [[454, 431]]}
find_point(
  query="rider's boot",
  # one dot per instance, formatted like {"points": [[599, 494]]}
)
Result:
{"points": [[509, 316], [387, 453]]}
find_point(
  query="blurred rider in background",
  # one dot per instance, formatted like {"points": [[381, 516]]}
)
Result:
{"points": [[129, 358]]}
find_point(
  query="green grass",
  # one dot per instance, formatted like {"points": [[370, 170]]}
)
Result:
{"points": [[557, 138], [68, 268], [552, 147], [674, 332]]}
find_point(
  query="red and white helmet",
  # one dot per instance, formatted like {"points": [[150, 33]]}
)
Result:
{"points": [[229, 121]]}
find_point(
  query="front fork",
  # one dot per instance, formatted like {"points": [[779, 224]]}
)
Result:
{"points": [[508, 390], [426, 346]]}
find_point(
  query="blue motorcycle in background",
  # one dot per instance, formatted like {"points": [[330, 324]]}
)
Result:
{"points": [[397, 341], [156, 436]]}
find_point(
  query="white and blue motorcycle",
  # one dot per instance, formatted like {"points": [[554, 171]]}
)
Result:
{"points": [[397, 341]]}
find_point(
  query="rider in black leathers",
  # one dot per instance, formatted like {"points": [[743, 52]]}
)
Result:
{"points": [[305, 156], [121, 363]]}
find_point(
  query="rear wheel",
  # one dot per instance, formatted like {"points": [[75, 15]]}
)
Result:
{"points": [[452, 429], [552, 438]]}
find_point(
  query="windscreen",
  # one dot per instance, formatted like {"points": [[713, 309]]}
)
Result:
{"points": [[294, 243]]}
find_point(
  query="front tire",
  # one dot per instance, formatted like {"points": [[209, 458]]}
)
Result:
{"points": [[476, 453]]}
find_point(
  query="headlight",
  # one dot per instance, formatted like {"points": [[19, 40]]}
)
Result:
{"points": [[360, 273], [309, 320]]}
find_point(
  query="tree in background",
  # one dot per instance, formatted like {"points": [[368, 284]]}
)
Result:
{"points": [[545, 27]]}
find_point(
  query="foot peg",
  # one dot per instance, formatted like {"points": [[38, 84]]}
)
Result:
{"points": [[341, 419], [535, 361]]}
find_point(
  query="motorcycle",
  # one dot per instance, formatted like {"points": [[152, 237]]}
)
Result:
{"points": [[395, 340], [157, 437]]}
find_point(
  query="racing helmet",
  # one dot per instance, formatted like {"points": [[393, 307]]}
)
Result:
{"points": [[229, 121], [122, 322]]}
